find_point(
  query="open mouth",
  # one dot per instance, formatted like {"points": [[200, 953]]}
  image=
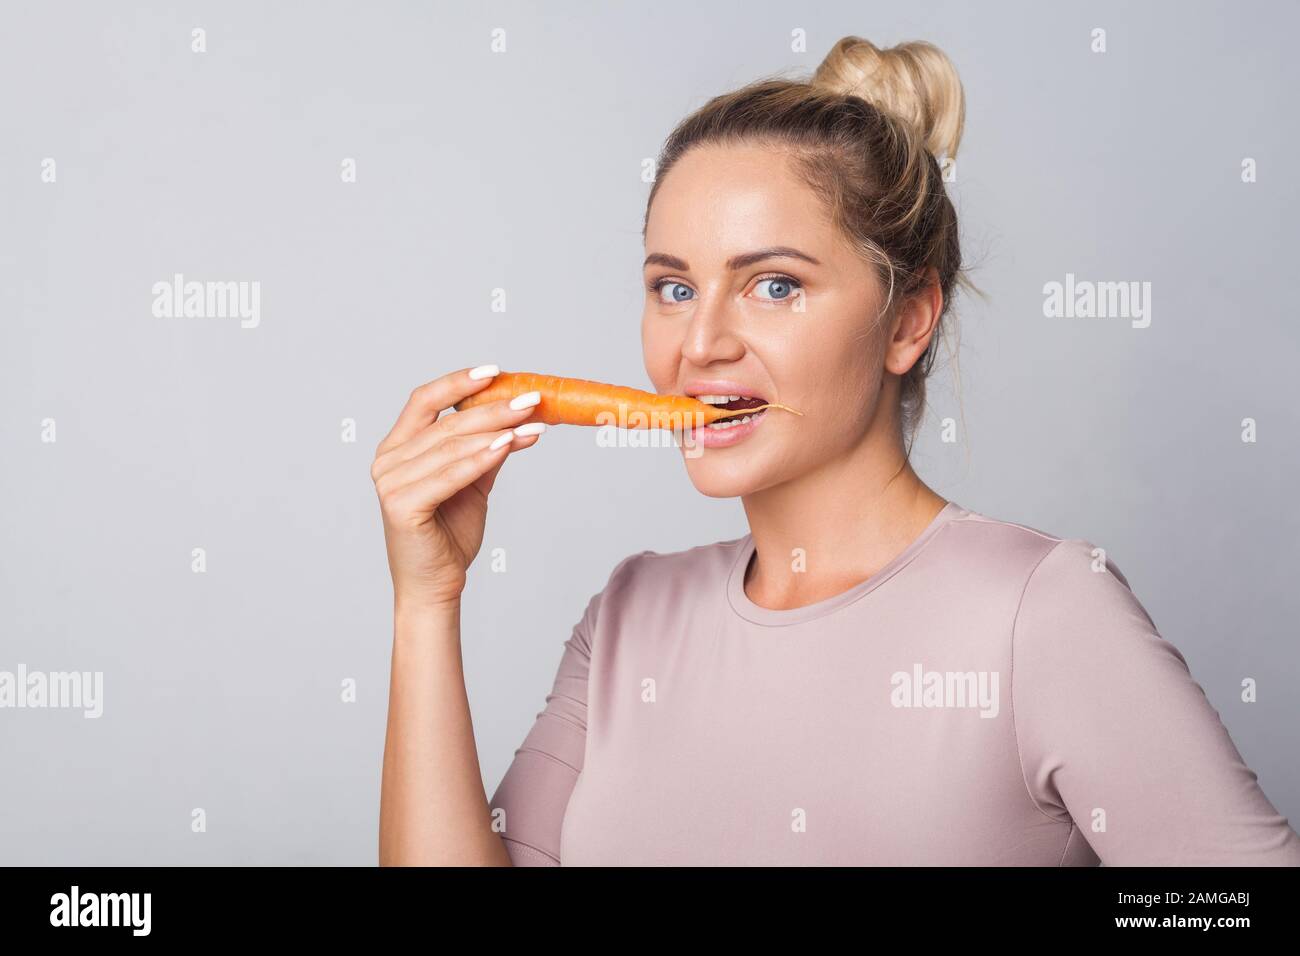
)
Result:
{"points": [[735, 403]]}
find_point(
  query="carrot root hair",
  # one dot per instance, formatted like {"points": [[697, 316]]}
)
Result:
{"points": [[733, 412]]}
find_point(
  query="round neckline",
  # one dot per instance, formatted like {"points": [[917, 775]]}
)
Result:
{"points": [[754, 613]]}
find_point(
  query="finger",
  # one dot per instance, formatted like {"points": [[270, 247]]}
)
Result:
{"points": [[446, 452], [425, 494], [430, 399], [433, 459], [488, 480], [492, 417]]}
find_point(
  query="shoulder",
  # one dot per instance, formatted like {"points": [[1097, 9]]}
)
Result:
{"points": [[1045, 575], [1072, 603], [1024, 553], [1075, 619], [1013, 548], [673, 573], [645, 583], [1078, 589]]}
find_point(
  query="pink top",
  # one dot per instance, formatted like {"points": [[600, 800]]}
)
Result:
{"points": [[992, 696]]}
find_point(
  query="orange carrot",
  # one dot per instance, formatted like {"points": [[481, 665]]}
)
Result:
{"points": [[575, 401]]}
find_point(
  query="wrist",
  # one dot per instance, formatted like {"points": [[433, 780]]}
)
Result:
{"points": [[423, 613]]}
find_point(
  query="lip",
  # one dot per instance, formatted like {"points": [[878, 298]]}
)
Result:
{"points": [[721, 386], [712, 438]]}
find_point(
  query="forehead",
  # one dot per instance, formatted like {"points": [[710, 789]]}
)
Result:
{"points": [[719, 200]]}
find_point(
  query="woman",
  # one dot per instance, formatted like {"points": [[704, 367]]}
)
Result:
{"points": [[873, 675]]}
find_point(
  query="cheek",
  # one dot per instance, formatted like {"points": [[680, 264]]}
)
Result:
{"points": [[856, 374], [846, 386], [660, 353]]}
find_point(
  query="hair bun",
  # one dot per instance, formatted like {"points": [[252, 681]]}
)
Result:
{"points": [[914, 81]]}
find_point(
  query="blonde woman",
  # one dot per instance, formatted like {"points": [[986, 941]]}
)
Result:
{"points": [[873, 674]]}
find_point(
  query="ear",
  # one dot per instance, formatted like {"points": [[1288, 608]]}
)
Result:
{"points": [[915, 326]]}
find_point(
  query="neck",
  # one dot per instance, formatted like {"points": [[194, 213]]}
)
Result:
{"points": [[848, 518]]}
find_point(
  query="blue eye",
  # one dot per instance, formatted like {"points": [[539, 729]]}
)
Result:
{"points": [[779, 288], [670, 292]]}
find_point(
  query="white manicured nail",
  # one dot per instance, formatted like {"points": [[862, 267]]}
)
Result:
{"points": [[526, 400], [500, 440], [532, 428], [484, 371]]}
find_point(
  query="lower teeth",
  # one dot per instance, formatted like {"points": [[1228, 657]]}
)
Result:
{"points": [[730, 423]]}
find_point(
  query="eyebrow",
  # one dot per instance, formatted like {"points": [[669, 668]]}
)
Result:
{"points": [[735, 262]]}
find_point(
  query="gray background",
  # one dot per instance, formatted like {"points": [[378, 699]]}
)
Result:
{"points": [[522, 171]]}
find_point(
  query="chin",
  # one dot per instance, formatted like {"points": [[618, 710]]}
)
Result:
{"points": [[718, 478]]}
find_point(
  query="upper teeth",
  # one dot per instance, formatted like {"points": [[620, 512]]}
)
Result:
{"points": [[718, 399]]}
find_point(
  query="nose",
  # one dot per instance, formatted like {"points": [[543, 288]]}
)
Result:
{"points": [[711, 336]]}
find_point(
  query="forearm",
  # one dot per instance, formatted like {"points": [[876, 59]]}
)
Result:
{"points": [[433, 808]]}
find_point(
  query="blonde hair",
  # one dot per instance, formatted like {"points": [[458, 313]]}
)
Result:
{"points": [[867, 131], [914, 81]]}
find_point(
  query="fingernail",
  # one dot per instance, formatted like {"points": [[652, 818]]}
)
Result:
{"points": [[526, 400], [484, 371], [532, 428], [501, 440]]}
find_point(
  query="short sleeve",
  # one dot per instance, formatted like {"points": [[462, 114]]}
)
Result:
{"points": [[1114, 732], [534, 793]]}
